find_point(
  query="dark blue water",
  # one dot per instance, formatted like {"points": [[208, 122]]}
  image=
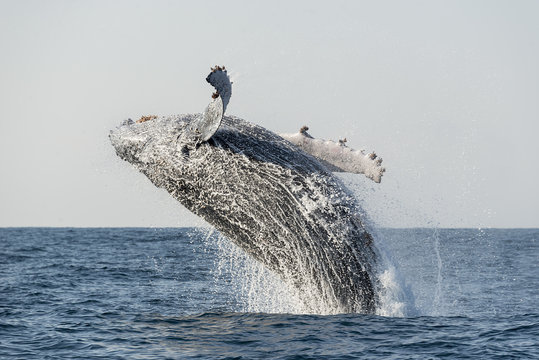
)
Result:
{"points": [[164, 293]]}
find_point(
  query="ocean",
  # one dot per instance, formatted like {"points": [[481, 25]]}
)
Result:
{"points": [[187, 293]]}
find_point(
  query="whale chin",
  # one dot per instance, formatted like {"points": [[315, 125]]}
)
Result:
{"points": [[281, 205]]}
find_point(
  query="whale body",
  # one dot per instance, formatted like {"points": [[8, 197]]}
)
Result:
{"points": [[278, 203]]}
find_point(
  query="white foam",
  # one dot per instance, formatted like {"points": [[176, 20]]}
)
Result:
{"points": [[393, 300], [256, 288]]}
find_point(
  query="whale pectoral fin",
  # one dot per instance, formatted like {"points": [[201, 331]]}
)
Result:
{"points": [[338, 157], [218, 78], [203, 127]]}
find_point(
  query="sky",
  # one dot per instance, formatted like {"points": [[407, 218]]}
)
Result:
{"points": [[446, 92]]}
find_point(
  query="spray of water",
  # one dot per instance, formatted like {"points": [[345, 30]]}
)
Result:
{"points": [[438, 294], [257, 289], [396, 298], [254, 288]]}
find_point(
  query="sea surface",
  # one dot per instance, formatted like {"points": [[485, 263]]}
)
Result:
{"points": [[182, 293]]}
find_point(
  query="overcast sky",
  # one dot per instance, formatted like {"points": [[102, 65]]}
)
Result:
{"points": [[447, 92]]}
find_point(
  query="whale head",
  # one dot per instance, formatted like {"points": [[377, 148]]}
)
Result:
{"points": [[141, 142]]}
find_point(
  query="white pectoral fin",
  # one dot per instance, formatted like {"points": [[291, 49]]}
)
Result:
{"points": [[338, 157], [203, 128], [211, 119], [218, 78]]}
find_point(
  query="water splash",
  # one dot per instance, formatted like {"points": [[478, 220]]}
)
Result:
{"points": [[437, 304], [396, 298], [255, 288]]}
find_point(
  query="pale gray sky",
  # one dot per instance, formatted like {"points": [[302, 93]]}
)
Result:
{"points": [[445, 91]]}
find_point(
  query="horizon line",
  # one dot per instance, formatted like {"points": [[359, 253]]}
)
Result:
{"points": [[208, 227]]}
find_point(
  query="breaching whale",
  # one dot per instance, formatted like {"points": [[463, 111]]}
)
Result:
{"points": [[281, 205]]}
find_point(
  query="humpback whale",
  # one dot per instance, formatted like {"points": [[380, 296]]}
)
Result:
{"points": [[280, 204]]}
